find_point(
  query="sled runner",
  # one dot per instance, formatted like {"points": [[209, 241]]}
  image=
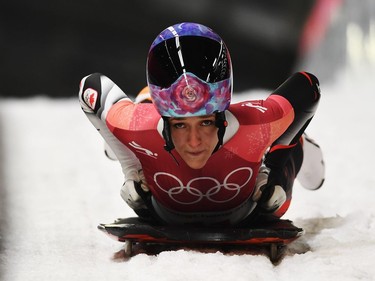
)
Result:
{"points": [[273, 236]]}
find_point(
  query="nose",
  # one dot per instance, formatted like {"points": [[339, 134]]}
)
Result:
{"points": [[194, 137]]}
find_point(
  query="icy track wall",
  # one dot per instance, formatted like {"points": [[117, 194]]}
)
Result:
{"points": [[348, 44]]}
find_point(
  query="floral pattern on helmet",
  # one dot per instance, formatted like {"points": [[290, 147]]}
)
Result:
{"points": [[191, 96]]}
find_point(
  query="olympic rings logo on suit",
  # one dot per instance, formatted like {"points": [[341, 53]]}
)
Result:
{"points": [[197, 194]]}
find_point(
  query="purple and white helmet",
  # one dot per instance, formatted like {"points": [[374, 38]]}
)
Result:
{"points": [[189, 71]]}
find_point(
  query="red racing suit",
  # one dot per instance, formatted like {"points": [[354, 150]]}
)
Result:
{"points": [[222, 190]]}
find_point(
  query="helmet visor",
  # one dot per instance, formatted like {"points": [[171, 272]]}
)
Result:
{"points": [[191, 96], [206, 58]]}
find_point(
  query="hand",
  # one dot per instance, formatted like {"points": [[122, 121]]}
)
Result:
{"points": [[131, 196], [273, 197], [269, 196], [142, 181], [260, 183], [136, 193]]}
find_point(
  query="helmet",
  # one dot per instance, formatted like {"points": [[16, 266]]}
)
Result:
{"points": [[189, 71]]}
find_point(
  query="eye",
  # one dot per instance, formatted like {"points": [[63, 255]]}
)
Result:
{"points": [[207, 122], [178, 125]]}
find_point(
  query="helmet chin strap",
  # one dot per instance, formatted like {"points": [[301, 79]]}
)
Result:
{"points": [[220, 122], [169, 146], [167, 134]]}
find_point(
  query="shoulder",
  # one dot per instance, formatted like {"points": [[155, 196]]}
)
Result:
{"points": [[261, 111], [131, 116], [98, 93]]}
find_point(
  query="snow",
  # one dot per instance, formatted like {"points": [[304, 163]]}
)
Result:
{"points": [[59, 186]]}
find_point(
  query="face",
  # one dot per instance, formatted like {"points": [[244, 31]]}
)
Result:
{"points": [[194, 138]]}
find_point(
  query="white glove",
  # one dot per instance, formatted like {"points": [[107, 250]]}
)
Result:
{"points": [[260, 182], [129, 193], [270, 198], [277, 199]]}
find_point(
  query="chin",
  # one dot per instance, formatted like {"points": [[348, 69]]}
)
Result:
{"points": [[195, 165]]}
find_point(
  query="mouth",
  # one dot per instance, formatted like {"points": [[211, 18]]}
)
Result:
{"points": [[195, 153]]}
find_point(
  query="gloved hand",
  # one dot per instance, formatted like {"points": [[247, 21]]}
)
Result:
{"points": [[136, 192], [269, 196]]}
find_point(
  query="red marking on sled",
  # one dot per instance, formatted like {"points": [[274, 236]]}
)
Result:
{"points": [[255, 241]]}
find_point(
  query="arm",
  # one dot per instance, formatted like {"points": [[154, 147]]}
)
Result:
{"points": [[303, 93], [97, 95]]}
